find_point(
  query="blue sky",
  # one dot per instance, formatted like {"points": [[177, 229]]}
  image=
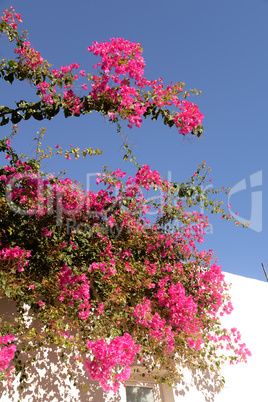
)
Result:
{"points": [[219, 47]]}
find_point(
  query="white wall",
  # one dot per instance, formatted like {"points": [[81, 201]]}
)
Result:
{"points": [[244, 382]]}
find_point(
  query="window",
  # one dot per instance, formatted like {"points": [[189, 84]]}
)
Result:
{"points": [[140, 394], [144, 391]]}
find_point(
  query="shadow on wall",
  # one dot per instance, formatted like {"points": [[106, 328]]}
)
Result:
{"points": [[49, 380], [48, 376], [47, 384], [203, 382]]}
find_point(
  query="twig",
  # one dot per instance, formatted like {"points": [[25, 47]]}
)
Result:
{"points": [[264, 271]]}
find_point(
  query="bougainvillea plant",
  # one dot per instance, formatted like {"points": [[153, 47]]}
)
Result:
{"points": [[119, 91], [110, 288]]}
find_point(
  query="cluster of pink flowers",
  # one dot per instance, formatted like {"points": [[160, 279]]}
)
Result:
{"points": [[27, 188], [158, 328], [75, 289], [241, 350], [147, 178], [46, 232], [107, 357], [7, 352], [124, 59], [32, 58], [188, 118], [182, 308], [43, 87], [72, 101], [107, 269], [10, 17], [121, 55], [17, 255]]}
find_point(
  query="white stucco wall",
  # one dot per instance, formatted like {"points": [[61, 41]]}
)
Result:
{"points": [[244, 382]]}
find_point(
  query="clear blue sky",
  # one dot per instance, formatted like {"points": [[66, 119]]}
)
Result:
{"points": [[219, 47]]}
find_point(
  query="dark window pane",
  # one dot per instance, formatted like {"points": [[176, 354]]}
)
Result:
{"points": [[139, 394]]}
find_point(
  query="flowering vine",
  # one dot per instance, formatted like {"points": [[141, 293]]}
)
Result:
{"points": [[109, 287], [125, 285], [119, 91]]}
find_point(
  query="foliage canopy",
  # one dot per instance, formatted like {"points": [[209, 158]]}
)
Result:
{"points": [[109, 287]]}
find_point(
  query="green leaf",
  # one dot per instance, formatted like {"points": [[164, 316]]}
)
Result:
{"points": [[9, 77], [4, 121], [38, 116], [15, 117], [11, 63], [27, 115], [7, 292]]}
